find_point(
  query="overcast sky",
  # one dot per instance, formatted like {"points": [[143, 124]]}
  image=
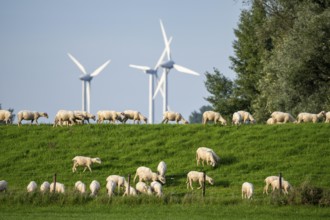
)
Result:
{"points": [[36, 35]]}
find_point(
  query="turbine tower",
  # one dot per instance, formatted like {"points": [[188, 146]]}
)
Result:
{"points": [[86, 82], [167, 66]]}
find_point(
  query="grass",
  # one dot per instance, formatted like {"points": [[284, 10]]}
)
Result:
{"points": [[248, 153]]}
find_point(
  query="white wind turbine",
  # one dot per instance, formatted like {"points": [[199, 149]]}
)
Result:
{"points": [[86, 82], [153, 72], [167, 66]]}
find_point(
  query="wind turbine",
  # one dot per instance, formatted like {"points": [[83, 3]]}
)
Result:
{"points": [[167, 66], [153, 72], [86, 82]]}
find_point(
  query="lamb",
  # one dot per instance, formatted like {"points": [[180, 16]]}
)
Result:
{"points": [[143, 188], [285, 185], [64, 116], [112, 116], [85, 115], [268, 182], [237, 119], [32, 186], [270, 121], [5, 116], [309, 117], [208, 155], [133, 115], [111, 186], [157, 188], [213, 116], [246, 117], [30, 116], [247, 190], [145, 174], [132, 191], [161, 169], [173, 116], [118, 180], [327, 117], [85, 162], [80, 187], [59, 187], [194, 176], [3, 185], [282, 117], [94, 187], [45, 187]]}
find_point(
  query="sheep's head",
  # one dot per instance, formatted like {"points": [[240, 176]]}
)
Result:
{"points": [[45, 114], [210, 180], [145, 120], [96, 160], [161, 179]]}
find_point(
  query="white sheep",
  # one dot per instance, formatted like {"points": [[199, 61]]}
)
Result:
{"points": [[85, 115], [111, 187], [194, 176], [213, 116], [208, 155], [5, 116], [237, 119], [85, 162], [145, 174], [30, 116], [309, 117], [327, 117], [132, 191], [94, 187], [161, 168], [32, 186], [68, 117], [118, 180], [112, 116], [80, 187], [59, 187], [157, 188], [282, 117], [268, 182], [3, 185], [45, 187], [247, 190], [143, 188], [173, 116], [133, 115], [246, 117], [285, 185], [270, 121]]}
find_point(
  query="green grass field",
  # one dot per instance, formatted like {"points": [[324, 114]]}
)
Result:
{"points": [[248, 153]]}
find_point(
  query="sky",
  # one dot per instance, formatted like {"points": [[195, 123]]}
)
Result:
{"points": [[36, 36]]}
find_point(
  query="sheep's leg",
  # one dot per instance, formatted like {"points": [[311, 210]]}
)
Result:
{"points": [[89, 168], [200, 184], [85, 169], [190, 183]]}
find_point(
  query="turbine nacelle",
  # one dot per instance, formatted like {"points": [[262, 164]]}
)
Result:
{"points": [[168, 64], [86, 78]]}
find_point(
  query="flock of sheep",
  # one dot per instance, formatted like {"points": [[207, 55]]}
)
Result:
{"points": [[146, 176], [65, 117]]}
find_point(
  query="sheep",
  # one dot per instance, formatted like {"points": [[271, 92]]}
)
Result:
{"points": [[30, 116], [112, 116], [84, 161], [282, 117], [59, 187], [132, 191], [309, 117], [247, 190], [5, 116], [32, 186], [213, 116], [118, 180], [246, 117], [145, 174], [65, 116], [285, 185], [327, 117], [157, 188], [268, 182], [80, 187], [194, 176], [94, 187], [208, 155], [143, 188], [161, 169], [85, 115], [173, 116], [45, 187], [3, 185], [111, 186], [237, 119], [133, 115], [270, 121]]}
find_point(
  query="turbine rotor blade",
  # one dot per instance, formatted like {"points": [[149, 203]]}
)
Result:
{"points": [[160, 84], [185, 70], [77, 63], [98, 70], [144, 68], [161, 58], [165, 41]]}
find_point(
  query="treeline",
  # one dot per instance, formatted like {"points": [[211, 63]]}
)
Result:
{"points": [[282, 60]]}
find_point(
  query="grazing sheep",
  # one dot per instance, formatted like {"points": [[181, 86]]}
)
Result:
{"points": [[68, 117], [118, 180], [194, 176], [85, 115], [132, 191], [285, 185], [32, 186], [5, 116], [80, 187], [3, 185], [133, 115], [327, 117], [282, 117], [85, 162], [112, 116], [208, 155], [268, 182], [270, 121], [246, 117], [45, 187], [247, 190], [94, 187], [30, 116], [213, 116], [111, 186], [309, 117], [161, 169], [145, 174], [59, 188], [157, 188], [173, 116], [237, 119], [143, 188]]}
